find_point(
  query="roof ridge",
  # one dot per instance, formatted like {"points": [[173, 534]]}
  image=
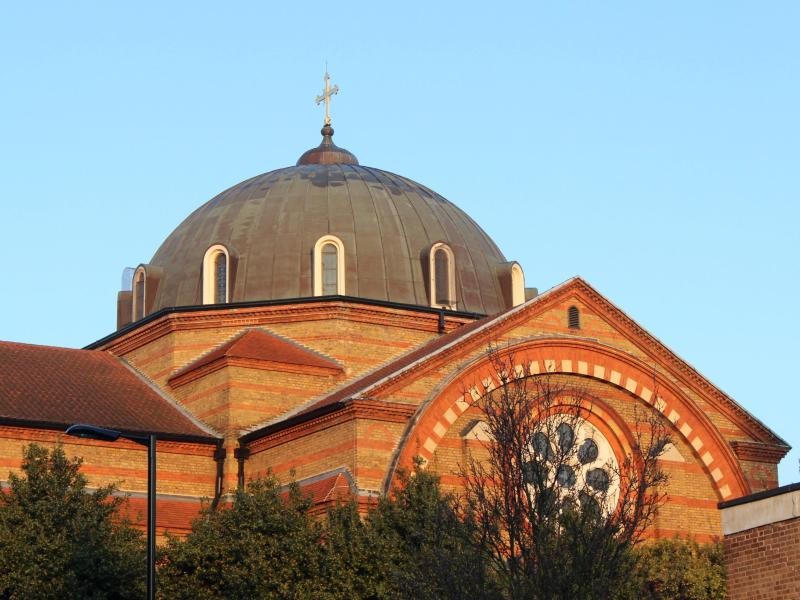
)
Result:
{"points": [[228, 346], [388, 372], [294, 342], [189, 365], [48, 346], [683, 365], [471, 329], [319, 399], [53, 387]]}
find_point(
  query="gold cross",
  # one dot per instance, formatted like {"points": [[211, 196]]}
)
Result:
{"points": [[326, 97]]}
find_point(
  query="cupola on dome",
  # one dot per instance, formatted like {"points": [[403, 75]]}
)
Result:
{"points": [[327, 226]]}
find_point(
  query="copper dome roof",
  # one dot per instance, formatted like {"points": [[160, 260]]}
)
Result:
{"points": [[386, 222]]}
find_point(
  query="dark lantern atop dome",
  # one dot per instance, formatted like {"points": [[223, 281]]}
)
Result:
{"points": [[327, 153]]}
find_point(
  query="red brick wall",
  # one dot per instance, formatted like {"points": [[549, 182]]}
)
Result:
{"points": [[764, 562]]}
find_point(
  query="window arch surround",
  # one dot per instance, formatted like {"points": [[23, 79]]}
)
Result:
{"points": [[216, 275], [442, 284], [139, 296], [329, 266], [517, 285]]}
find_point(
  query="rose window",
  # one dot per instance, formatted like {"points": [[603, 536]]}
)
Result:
{"points": [[576, 457]]}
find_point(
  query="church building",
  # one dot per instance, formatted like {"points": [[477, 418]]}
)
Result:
{"points": [[330, 322]]}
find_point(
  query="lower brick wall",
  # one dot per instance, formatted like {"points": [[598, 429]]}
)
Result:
{"points": [[762, 545], [764, 562]]}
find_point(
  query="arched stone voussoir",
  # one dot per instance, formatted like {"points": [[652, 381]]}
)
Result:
{"points": [[587, 359]]}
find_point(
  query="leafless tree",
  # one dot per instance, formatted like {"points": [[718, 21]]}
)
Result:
{"points": [[557, 511]]}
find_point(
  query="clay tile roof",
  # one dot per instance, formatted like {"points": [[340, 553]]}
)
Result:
{"points": [[346, 392], [362, 385], [265, 347], [50, 387], [335, 485]]}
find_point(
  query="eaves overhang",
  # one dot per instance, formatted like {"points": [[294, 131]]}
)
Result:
{"points": [[55, 426], [176, 310], [292, 421]]}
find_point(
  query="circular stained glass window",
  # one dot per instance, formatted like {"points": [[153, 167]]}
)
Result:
{"points": [[566, 437], [588, 451], [566, 476], [588, 502], [575, 456], [542, 447], [534, 473], [598, 479]]}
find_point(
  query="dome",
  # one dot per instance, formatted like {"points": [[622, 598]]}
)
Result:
{"points": [[386, 226]]}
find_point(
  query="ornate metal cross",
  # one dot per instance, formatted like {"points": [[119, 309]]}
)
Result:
{"points": [[326, 97]]}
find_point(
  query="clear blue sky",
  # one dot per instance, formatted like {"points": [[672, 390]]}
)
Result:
{"points": [[651, 148]]}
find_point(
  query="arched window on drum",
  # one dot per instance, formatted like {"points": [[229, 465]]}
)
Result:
{"points": [[442, 276], [139, 294], [329, 266], [517, 285], [216, 275]]}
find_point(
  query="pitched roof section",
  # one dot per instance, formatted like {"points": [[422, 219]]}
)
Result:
{"points": [[48, 386], [371, 382], [357, 388], [391, 371], [332, 486], [263, 348]]}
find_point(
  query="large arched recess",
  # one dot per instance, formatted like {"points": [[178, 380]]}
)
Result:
{"points": [[576, 357]]}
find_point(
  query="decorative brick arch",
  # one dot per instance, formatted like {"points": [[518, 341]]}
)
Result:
{"points": [[574, 357]]}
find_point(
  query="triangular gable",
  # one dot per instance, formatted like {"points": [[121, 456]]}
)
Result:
{"points": [[664, 355], [262, 349], [487, 330]]}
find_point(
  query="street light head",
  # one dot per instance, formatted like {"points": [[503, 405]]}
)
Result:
{"points": [[93, 432]]}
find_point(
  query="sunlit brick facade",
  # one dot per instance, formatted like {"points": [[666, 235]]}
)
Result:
{"points": [[341, 391]]}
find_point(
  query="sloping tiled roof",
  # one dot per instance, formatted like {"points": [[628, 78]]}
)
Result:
{"points": [[346, 392], [260, 345], [364, 385], [48, 386], [332, 486], [354, 389], [428, 350]]}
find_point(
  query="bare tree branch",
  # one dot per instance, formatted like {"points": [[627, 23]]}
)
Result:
{"points": [[557, 511]]}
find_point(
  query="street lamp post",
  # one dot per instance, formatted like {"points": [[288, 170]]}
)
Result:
{"points": [[149, 440]]}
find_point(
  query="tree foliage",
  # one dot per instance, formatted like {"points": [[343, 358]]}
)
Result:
{"points": [[680, 569], [265, 545], [557, 518], [59, 540], [431, 548]]}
